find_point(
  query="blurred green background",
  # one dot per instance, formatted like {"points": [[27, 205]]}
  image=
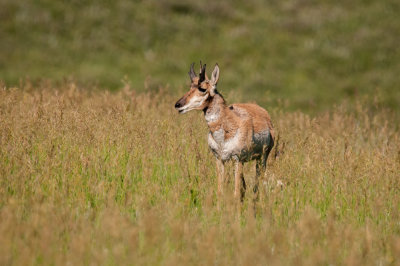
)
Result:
{"points": [[309, 54]]}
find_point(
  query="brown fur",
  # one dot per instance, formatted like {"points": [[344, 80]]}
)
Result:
{"points": [[259, 116]]}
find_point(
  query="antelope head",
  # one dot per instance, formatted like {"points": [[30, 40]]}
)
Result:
{"points": [[201, 91]]}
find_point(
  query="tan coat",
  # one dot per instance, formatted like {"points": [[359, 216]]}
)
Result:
{"points": [[241, 131]]}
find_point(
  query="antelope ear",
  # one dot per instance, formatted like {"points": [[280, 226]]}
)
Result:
{"points": [[214, 79], [215, 75], [192, 75]]}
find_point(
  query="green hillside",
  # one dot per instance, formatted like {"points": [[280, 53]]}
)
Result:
{"points": [[302, 54]]}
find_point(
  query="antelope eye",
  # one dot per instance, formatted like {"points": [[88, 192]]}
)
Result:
{"points": [[202, 90]]}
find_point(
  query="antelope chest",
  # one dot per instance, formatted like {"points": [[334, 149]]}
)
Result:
{"points": [[222, 148]]}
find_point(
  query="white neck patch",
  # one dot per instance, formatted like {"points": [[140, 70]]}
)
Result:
{"points": [[213, 114], [212, 117]]}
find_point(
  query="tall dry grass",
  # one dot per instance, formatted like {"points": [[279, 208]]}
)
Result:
{"points": [[99, 178]]}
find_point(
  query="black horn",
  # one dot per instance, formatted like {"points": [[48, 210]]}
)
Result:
{"points": [[202, 75], [201, 67]]}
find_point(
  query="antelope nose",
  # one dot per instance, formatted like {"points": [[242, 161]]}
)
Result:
{"points": [[178, 105]]}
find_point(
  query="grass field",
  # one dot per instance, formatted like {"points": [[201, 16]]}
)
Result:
{"points": [[90, 177], [96, 166]]}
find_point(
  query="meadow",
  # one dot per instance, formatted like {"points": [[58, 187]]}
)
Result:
{"points": [[96, 166], [91, 177]]}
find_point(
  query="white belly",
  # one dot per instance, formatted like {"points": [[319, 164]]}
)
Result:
{"points": [[235, 147], [224, 149]]}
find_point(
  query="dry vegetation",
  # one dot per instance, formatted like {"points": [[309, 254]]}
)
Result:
{"points": [[100, 178]]}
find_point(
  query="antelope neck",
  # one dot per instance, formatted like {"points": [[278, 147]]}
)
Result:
{"points": [[214, 111]]}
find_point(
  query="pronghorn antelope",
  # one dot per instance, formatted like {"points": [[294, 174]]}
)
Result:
{"points": [[241, 131]]}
